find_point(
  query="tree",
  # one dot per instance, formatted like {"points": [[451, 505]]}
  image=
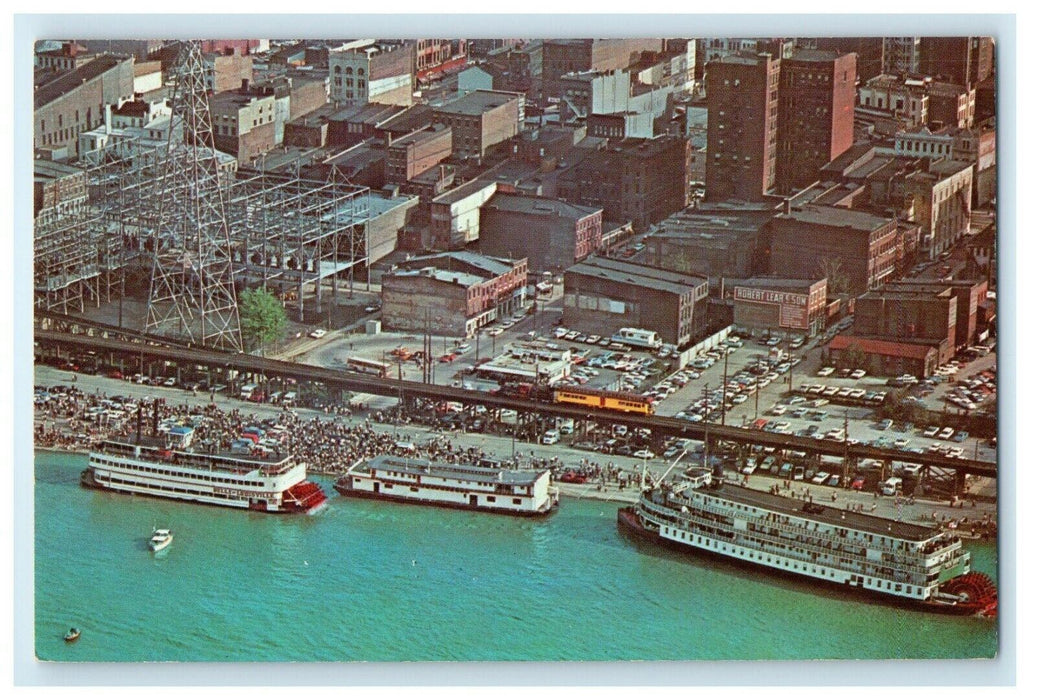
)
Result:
{"points": [[262, 317]]}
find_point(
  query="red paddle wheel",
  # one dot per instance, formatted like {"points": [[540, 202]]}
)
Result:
{"points": [[304, 496], [977, 590]]}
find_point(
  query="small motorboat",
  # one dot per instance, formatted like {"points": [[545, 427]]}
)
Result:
{"points": [[160, 539], [72, 635]]}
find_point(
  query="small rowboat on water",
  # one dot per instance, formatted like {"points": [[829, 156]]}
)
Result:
{"points": [[72, 635]]}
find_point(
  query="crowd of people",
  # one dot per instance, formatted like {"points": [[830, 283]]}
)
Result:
{"points": [[70, 419]]}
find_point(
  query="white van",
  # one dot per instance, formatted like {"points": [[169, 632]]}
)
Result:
{"points": [[565, 426], [892, 486]]}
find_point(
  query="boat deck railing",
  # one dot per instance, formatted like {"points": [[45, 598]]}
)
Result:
{"points": [[785, 544], [835, 538], [223, 463]]}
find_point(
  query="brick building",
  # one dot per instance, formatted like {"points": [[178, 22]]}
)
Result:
{"points": [[712, 241], [958, 59], [305, 96], [970, 294], [855, 250], [76, 101], [637, 180], [778, 304], [381, 72], [551, 234], [414, 154], [951, 105], [140, 49], [223, 71], [58, 191], [815, 114], [742, 134], [453, 293], [69, 57], [561, 56], [482, 119], [940, 198], [933, 194], [351, 125], [243, 123], [883, 358], [870, 52], [917, 313], [455, 215], [904, 98], [603, 295], [547, 146], [435, 56], [977, 146]]}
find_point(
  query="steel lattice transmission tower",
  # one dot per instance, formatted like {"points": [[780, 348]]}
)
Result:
{"points": [[192, 281]]}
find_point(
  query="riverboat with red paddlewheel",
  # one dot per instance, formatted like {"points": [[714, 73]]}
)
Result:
{"points": [[167, 466], [905, 563]]}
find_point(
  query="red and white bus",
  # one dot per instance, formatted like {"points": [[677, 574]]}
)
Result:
{"points": [[359, 364]]}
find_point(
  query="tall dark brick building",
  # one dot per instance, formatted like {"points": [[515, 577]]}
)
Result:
{"points": [[638, 180], [815, 114], [742, 135], [869, 52], [965, 60]]}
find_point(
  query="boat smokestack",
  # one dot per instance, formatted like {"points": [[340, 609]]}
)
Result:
{"points": [[154, 419], [718, 470], [140, 419]]}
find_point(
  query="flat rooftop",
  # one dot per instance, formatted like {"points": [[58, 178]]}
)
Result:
{"points": [[465, 472], [814, 55], [462, 279], [779, 283], [465, 190], [539, 206], [835, 216], [51, 170], [637, 275], [478, 102], [489, 264], [827, 514]]}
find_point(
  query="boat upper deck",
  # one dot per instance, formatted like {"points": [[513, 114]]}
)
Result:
{"points": [[821, 513], [154, 450], [459, 472]]}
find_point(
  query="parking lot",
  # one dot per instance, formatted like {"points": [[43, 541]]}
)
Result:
{"points": [[774, 384]]}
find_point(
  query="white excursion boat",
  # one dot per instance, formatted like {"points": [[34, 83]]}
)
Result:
{"points": [[910, 564], [160, 539], [168, 467], [513, 491]]}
